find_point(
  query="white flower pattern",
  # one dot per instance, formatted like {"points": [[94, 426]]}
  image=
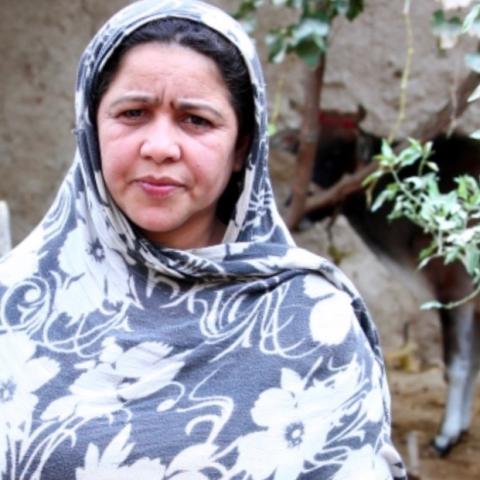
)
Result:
{"points": [[21, 376], [295, 423], [106, 388], [108, 465], [110, 291]]}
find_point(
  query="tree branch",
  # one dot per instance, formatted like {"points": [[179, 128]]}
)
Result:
{"points": [[348, 184], [439, 123], [309, 135]]}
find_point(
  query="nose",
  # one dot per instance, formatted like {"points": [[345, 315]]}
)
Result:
{"points": [[160, 142]]}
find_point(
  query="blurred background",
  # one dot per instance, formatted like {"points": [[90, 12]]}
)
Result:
{"points": [[40, 45], [40, 48]]}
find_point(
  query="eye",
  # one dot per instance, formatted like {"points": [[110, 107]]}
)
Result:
{"points": [[197, 121], [132, 113]]}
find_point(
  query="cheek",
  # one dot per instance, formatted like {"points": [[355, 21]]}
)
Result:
{"points": [[113, 171], [105, 162], [219, 159], [214, 172], [115, 155], [111, 184], [108, 174]]}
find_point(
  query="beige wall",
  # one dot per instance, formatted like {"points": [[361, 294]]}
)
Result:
{"points": [[41, 41]]}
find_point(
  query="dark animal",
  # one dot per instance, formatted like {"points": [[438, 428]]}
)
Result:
{"points": [[402, 241]]}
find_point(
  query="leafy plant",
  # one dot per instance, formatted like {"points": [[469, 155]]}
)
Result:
{"points": [[307, 37], [450, 218]]}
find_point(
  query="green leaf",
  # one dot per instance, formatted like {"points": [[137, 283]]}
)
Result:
{"points": [[416, 183], [349, 8], [372, 177], [432, 185], [356, 7], [433, 166], [467, 188], [438, 18], [272, 129], [247, 8], [448, 30], [249, 23], [423, 263], [443, 25], [342, 6], [294, 4], [427, 149], [473, 61], [462, 187], [471, 19], [427, 252], [277, 42], [452, 255], [409, 156], [310, 28], [416, 145], [309, 51], [384, 196], [387, 153], [472, 257]]}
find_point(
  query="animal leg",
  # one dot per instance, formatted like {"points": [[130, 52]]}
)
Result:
{"points": [[460, 354], [469, 393]]}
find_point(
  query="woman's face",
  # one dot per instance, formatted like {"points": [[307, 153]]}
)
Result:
{"points": [[168, 135]]}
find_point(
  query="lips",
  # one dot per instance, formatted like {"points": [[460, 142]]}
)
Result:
{"points": [[159, 187]]}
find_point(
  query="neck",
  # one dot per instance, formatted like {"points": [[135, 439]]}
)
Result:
{"points": [[187, 239]]}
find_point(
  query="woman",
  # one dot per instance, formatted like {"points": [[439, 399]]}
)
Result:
{"points": [[160, 320]]}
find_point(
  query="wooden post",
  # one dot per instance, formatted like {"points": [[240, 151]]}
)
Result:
{"points": [[5, 234]]}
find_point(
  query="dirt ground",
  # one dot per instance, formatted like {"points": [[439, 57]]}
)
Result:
{"points": [[417, 407]]}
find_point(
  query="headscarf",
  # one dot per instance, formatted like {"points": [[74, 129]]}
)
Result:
{"points": [[248, 359]]}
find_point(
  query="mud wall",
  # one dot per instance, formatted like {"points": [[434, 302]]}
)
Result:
{"points": [[40, 47]]}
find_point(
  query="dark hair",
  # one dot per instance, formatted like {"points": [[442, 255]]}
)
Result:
{"points": [[229, 61], [203, 40]]}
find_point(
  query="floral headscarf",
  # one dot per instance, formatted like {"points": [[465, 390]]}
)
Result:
{"points": [[249, 359]]}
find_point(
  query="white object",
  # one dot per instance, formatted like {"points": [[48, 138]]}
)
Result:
{"points": [[5, 235]]}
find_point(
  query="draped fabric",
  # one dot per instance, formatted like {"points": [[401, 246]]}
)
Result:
{"points": [[251, 359]]}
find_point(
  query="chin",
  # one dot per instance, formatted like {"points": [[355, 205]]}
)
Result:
{"points": [[151, 229]]}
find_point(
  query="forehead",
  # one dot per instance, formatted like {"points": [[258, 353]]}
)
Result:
{"points": [[156, 61]]}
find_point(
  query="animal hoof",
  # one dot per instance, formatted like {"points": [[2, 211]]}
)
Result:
{"points": [[442, 445]]}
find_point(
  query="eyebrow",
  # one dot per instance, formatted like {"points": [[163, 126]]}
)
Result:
{"points": [[186, 104], [197, 105], [134, 97]]}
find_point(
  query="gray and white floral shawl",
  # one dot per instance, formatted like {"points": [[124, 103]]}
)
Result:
{"points": [[252, 359]]}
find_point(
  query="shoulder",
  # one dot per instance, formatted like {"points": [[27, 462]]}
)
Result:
{"points": [[22, 262]]}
